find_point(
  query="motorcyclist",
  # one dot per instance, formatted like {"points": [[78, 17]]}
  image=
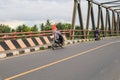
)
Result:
{"points": [[57, 36], [97, 34]]}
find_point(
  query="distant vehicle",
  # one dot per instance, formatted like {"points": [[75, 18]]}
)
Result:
{"points": [[97, 37], [97, 34]]}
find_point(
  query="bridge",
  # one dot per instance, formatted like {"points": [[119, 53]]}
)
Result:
{"points": [[30, 57]]}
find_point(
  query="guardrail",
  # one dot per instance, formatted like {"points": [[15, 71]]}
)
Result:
{"points": [[77, 34], [16, 35]]}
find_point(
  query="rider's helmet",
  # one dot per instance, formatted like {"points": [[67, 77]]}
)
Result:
{"points": [[54, 27]]}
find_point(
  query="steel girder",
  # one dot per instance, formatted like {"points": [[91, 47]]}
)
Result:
{"points": [[113, 29], [77, 6]]}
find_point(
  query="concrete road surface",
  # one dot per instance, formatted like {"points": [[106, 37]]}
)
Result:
{"points": [[99, 60]]}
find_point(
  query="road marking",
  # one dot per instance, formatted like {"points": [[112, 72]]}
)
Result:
{"points": [[56, 62]]}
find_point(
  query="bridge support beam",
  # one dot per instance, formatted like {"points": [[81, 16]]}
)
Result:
{"points": [[102, 24], [77, 6], [81, 20], [90, 12], [100, 17], [108, 24], [107, 28], [113, 24], [118, 25], [73, 20]]}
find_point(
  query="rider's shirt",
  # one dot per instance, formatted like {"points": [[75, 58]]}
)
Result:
{"points": [[56, 34]]}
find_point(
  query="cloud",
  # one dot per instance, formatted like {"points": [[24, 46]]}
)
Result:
{"points": [[12, 24], [35, 10], [16, 12]]}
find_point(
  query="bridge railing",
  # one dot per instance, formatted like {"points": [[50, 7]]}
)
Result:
{"points": [[17, 35], [90, 33], [77, 34]]}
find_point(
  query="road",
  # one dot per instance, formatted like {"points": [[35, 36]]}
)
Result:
{"points": [[97, 60]]}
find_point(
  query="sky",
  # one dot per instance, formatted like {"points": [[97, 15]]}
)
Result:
{"points": [[30, 12]]}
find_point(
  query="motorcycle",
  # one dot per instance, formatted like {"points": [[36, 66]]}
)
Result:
{"points": [[97, 37], [56, 44]]}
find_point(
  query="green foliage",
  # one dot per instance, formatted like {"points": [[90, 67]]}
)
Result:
{"points": [[42, 48], [23, 28], [78, 32], [4, 28], [47, 26], [65, 26], [34, 28], [60, 26], [13, 30], [42, 27]]}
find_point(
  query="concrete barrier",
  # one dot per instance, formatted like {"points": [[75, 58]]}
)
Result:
{"points": [[26, 45]]}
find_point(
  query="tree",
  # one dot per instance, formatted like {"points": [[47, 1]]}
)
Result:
{"points": [[13, 30], [19, 28], [23, 28], [34, 28], [66, 26], [4, 28], [78, 32], [48, 25], [42, 27], [60, 26]]}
